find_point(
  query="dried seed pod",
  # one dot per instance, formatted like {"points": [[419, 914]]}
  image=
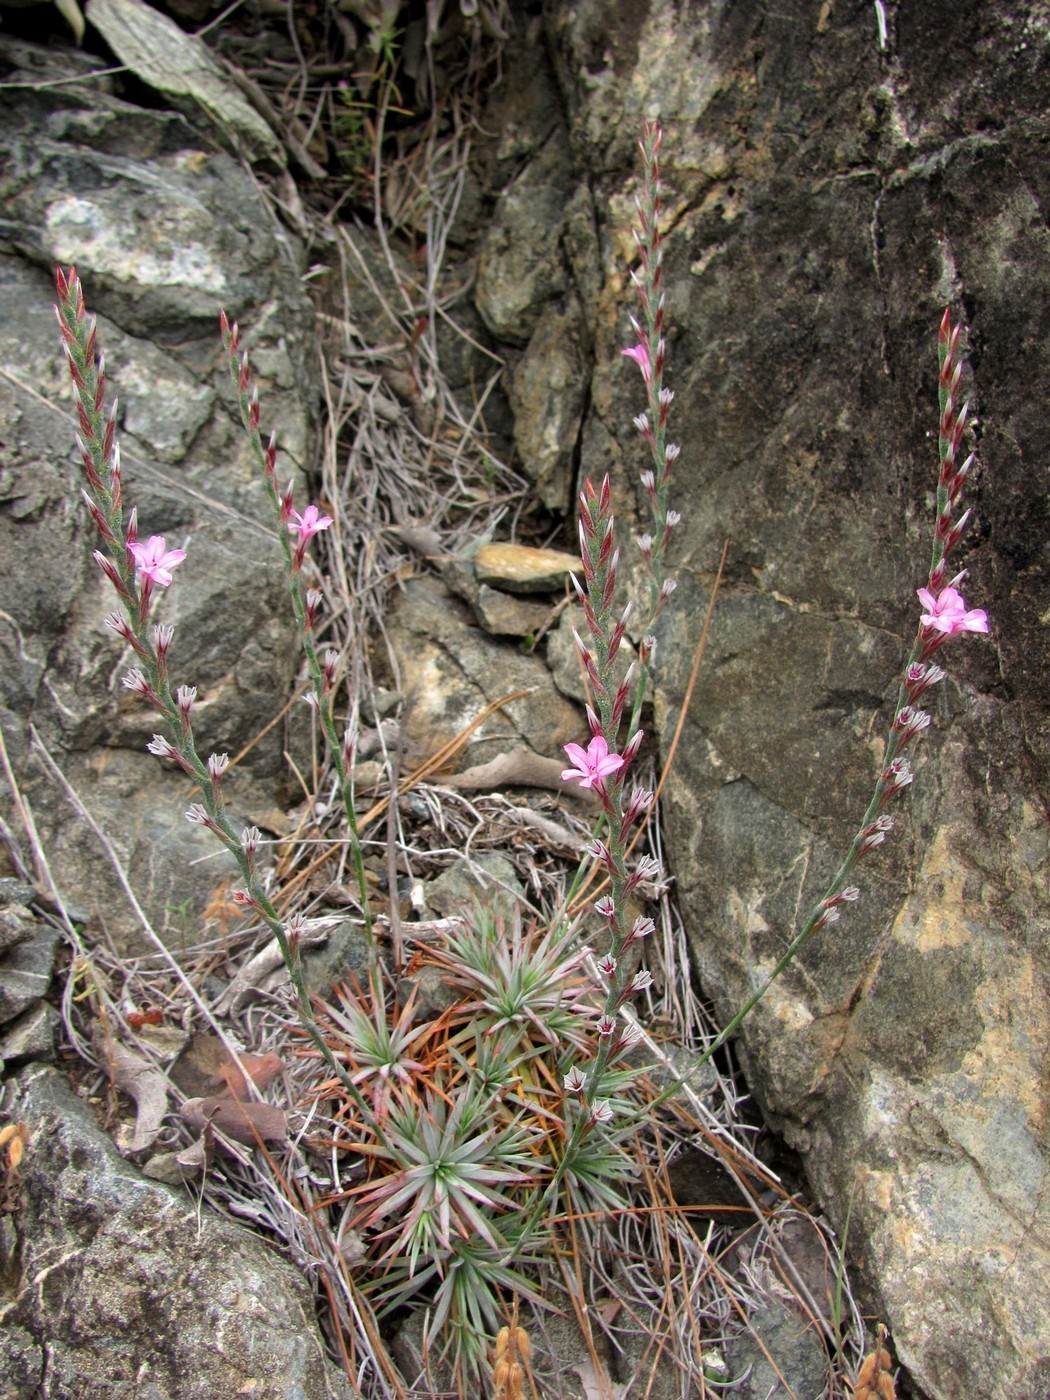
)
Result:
{"points": [[875, 1377], [511, 1361]]}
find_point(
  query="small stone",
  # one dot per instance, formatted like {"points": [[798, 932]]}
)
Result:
{"points": [[26, 972], [503, 615], [16, 926], [519, 568], [31, 1036]]}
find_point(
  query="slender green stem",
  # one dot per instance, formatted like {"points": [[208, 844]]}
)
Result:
{"points": [[101, 463]]}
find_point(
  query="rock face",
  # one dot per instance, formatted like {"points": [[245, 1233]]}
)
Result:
{"points": [[830, 189], [164, 229], [829, 194], [114, 1285]]}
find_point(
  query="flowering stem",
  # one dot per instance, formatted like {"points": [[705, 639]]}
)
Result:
{"points": [[946, 616], [650, 356], [100, 457], [304, 606]]}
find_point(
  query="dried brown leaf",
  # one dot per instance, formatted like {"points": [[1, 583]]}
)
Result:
{"points": [[141, 1081], [249, 1123]]}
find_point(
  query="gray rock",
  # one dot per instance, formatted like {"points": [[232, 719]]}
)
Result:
{"points": [[31, 1036], [488, 878], [503, 615], [825, 199], [15, 891], [25, 972], [547, 391], [781, 1331], [179, 65], [164, 229], [121, 1286], [450, 671], [519, 267], [17, 924], [345, 956]]}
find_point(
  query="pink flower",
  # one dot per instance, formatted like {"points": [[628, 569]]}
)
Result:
{"points": [[947, 612], [592, 765], [640, 355], [155, 561], [310, 523]]}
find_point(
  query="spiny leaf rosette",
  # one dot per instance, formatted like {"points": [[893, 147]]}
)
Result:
{"points": [[467, 1122]]}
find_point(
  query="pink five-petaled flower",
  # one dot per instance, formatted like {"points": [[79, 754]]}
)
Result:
{"points": [[592, 765], [155, 561], [310, 523], [947, 612]]}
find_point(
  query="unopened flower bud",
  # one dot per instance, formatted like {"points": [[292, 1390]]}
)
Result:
{"points": [[630, 753], [641, 928], [640, 801], [314, 598], [919, 678], [135, 681], [647, 869], [955, 534], [575, 1081], [101, 523], [909, 722], [599, 851], [631, 1033], [217, 766], [875, 834], [847, 896], [118, 623], [110, 570], [897, 776]]}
